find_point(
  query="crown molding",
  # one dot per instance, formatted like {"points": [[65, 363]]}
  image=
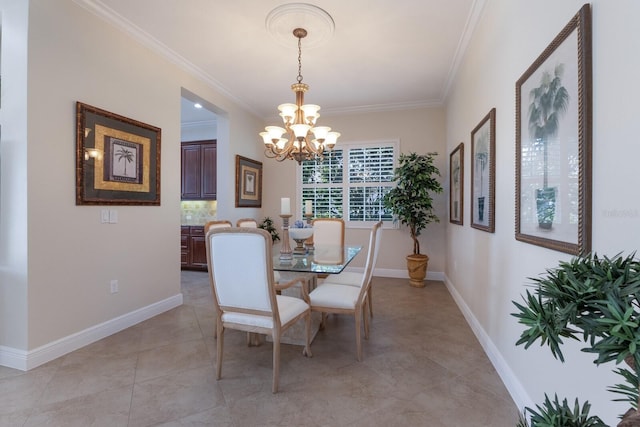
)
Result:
{"points": [[463, 43], [110, 16]]}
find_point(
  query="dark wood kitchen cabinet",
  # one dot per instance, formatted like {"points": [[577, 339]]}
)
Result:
{"points": [[198, 162], [184, 246], [193, 252]]}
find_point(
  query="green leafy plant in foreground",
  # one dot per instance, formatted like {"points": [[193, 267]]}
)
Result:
{"points": [[556, 414], [591, 299]]}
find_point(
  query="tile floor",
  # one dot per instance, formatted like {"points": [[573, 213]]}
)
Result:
{"points": [[422, 366]]}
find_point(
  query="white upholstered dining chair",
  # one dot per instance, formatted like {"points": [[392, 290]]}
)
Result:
{"points": [[351, 278], [245, 298], [338, 298], [247, 222], [328, 231], [216, 224]]}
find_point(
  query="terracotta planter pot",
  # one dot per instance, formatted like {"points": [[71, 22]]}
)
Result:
{"points": [[417, 267]]}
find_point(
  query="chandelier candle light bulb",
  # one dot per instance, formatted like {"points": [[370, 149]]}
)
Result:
{"points": [[295, 140]]}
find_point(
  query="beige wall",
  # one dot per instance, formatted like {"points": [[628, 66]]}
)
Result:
{"points": [[488, 271], [13, 176], [420, 130], [63, 288]]}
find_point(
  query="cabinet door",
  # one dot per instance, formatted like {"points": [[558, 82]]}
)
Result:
{"points": [[197, 248], [184, 245], [209, 182], [191, 172]]}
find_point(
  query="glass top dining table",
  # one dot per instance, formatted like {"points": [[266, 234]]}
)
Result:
{"points": [[322, 260]]}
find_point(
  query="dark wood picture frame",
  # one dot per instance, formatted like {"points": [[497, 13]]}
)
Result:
{"points": [[117, 159], [248, 183], [456, 185], [483, 174], [553, 143]]}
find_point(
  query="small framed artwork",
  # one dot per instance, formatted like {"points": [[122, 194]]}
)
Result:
{"points": [[483, 173], [248, 183], [553, 143], [117, 159], [456, 185]]}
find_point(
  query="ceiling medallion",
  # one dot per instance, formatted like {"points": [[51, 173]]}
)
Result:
{"points": [[282, 20]]}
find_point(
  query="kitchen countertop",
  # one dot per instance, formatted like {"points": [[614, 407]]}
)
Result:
{"points": [[200, 222]]}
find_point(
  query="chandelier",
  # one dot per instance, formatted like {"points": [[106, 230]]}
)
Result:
{"points": [[300, 139]]}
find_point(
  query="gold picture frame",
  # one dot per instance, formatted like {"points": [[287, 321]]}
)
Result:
{"points": [[483, 174], [117, 159], [553, 143], [248, 183], [456, 185]]}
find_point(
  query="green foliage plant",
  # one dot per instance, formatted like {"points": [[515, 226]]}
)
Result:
{"points": [[595, 300], [267, 224], [556, 414], [410, 200]]}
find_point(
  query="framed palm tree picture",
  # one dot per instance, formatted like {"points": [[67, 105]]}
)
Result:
{"points": [[483, 173], [553, 143], [117, 159], [456, 185]]}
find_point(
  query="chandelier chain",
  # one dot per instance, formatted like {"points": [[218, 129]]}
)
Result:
{"points": [[299, 60]]}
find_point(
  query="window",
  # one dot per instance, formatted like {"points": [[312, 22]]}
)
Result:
{"points": [[350, 182]]}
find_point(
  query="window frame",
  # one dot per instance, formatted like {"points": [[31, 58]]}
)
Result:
{"points": [[345, 147]]}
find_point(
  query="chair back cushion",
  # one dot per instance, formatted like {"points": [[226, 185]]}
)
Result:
{"points": [[241, 268], [217, 224], [328, 231], [247, 222]]}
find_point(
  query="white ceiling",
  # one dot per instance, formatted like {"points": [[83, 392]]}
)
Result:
{"points": [[382, 54]]}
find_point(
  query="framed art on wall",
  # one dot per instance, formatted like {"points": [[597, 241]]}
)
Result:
{"points": [[553, 143], [248, 183], [456, 185], [483, 173], [117, 159]]}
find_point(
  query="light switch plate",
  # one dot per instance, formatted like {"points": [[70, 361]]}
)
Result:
{"points": [[113, 216], [104, 216]]}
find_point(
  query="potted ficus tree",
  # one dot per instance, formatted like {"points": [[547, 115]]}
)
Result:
{"points": [[411, 202], [595, 300]]}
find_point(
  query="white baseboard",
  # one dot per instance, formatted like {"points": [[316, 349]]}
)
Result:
{"points": [[397, 274], [518, 393], [26, 360]]}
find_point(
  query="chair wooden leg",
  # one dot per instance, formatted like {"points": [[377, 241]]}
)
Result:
{"points": [[323, 320], [307, 347], [219, 350], [370, 300], [358, 315], [253, 339], [276, 361], [365, 318]]}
